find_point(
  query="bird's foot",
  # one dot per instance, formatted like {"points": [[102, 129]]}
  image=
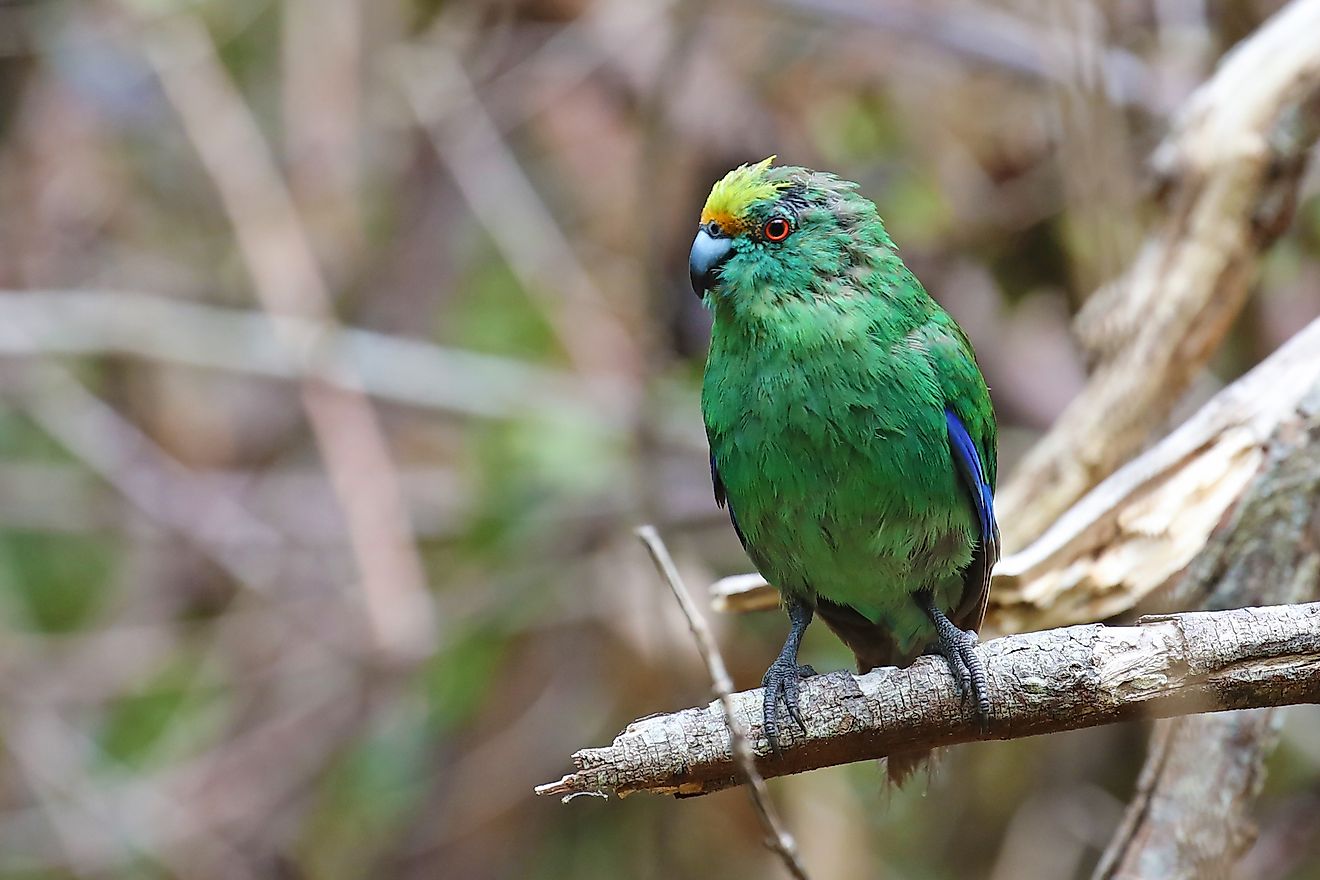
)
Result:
{"points": [[958, 648], [782, 684], [974, 680]]}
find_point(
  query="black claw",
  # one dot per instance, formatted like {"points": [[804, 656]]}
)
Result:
{"points": [[977, 679], [782, 684], [782, 680], [959, 651]]}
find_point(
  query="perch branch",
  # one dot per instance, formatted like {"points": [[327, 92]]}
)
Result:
{"points": [[778, 839], [1042, 682]]}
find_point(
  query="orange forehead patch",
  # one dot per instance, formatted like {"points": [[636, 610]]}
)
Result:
{"points": [[736, 192], [730, 224]]}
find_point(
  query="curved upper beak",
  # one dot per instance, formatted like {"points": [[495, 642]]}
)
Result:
{"points": [[708, 253]]}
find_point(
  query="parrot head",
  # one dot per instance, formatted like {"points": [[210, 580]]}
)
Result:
{"points": [[781, 230]]}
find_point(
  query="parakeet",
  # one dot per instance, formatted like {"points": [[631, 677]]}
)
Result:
{"points": [[851, 431]]}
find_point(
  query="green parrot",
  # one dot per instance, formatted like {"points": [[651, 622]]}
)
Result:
{"points": [[851, 431]]}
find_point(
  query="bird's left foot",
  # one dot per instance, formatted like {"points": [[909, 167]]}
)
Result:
{"points": [[958, 648]]}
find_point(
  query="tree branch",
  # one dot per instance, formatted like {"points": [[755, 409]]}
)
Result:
{"points": [[1043, 682], [1190, 816], [288, 281], [391, 368]]}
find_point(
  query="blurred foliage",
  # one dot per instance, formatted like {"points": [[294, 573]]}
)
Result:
{"points": [[184, 698]]}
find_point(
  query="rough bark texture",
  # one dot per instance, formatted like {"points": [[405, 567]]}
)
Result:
{"points": [[1230, 168], [1042, 682], [1190, 816]]}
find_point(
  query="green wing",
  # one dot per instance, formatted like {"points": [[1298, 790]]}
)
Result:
{"points": [[973, 445]]}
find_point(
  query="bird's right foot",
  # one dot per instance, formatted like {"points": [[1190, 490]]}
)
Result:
{"points": [[782, 684], [959, 650], [782, 679]]}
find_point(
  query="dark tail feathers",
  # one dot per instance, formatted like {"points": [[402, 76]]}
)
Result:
{"points": [[873, 647]]}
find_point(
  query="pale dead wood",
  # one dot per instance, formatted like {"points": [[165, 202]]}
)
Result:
{"points": [[1043, 682], [1137, 531], [778, 838], [1191, 815], [1231, 165], [738, 593]]}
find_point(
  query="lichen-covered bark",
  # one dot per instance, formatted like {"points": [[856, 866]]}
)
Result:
{"points": [[1043, 682]]}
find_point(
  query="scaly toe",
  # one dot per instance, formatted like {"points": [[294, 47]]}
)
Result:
{"points": [[782, 685]]}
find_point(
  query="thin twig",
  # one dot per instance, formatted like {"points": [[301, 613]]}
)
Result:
{"points": [[779, 839]]}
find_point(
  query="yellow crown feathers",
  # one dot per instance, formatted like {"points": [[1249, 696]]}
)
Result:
{"points": [[736, 192]]}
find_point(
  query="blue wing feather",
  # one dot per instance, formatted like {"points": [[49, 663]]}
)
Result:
{"points": [[972, 470], [968, 459]]}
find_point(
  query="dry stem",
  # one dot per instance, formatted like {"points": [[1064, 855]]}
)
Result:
{"points": [[779, 839]]}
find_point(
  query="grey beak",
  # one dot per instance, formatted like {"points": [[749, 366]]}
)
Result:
{"points": [[708, 254]]}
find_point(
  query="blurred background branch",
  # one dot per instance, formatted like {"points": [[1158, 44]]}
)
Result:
{"points": [[288, 281], [394, 369]]}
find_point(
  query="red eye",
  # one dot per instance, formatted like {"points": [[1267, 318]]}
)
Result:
{"points": [[776, 229]]}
